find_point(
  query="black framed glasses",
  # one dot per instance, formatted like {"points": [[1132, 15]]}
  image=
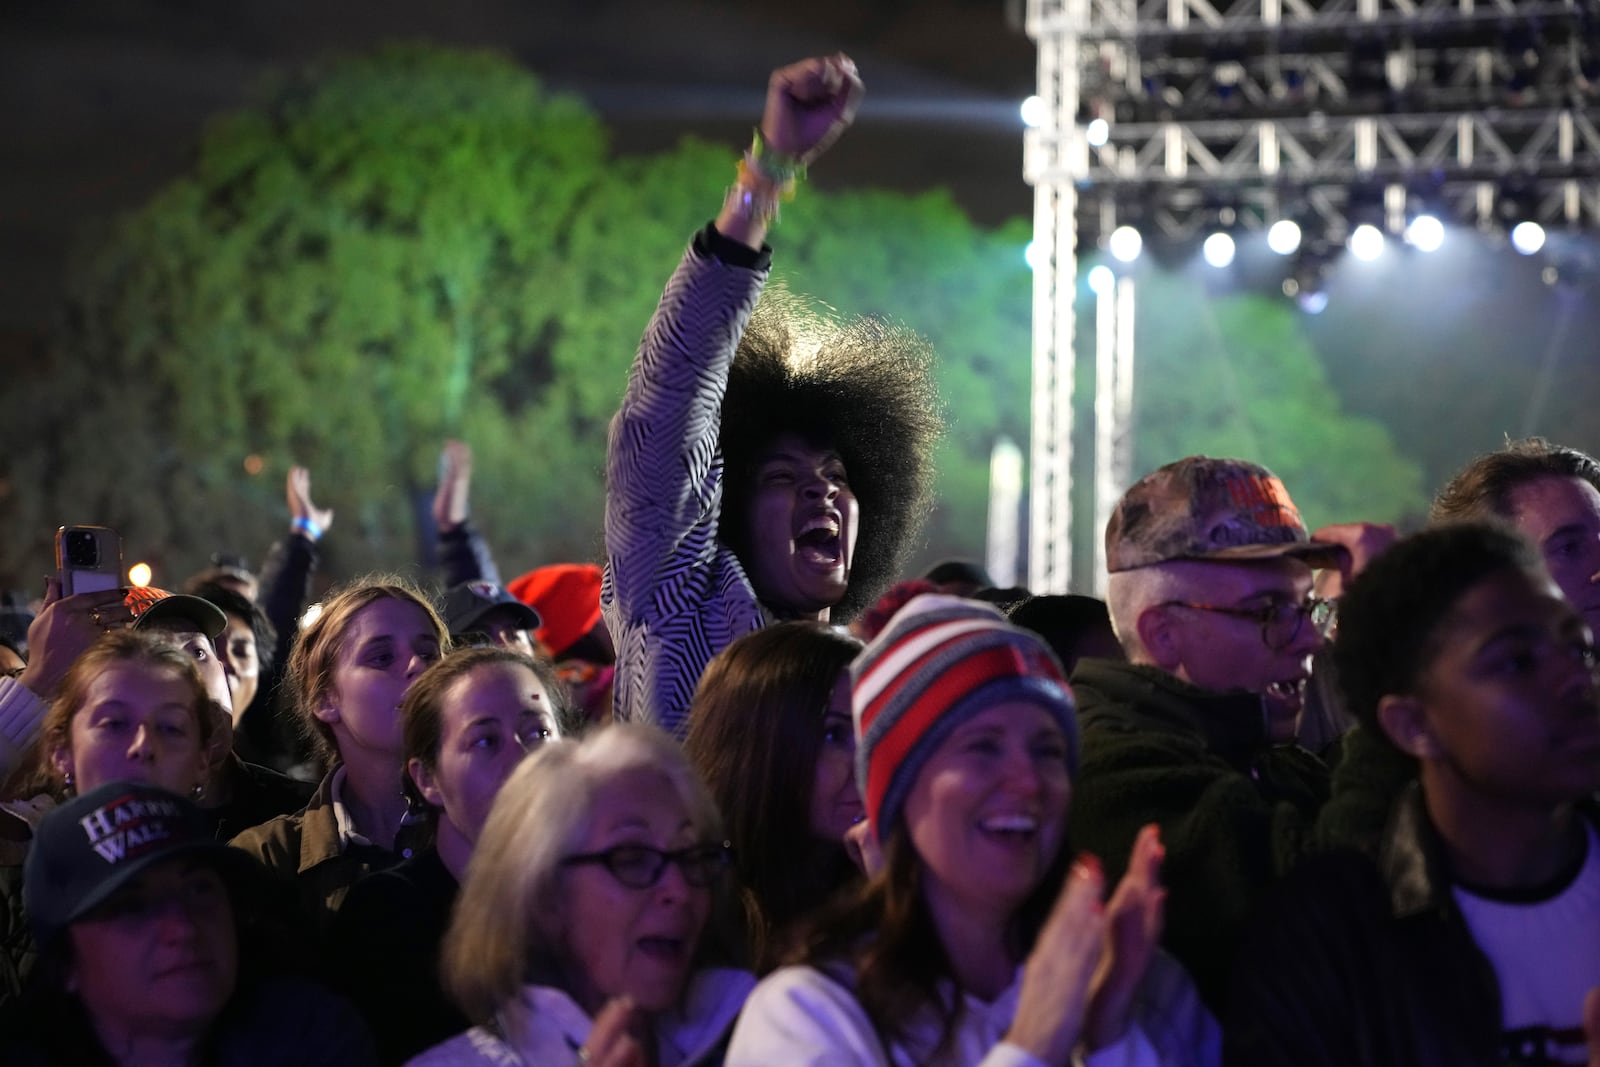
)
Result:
{"points": [[641, 867], [1280, 620]]}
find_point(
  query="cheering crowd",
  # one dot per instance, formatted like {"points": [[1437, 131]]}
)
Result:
{"points": [[747, 796]]}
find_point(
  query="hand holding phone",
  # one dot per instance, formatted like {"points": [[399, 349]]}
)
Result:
{"points": [[88, 559]]}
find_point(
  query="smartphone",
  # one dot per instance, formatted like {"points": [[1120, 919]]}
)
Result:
{"points": [[88, 559]]}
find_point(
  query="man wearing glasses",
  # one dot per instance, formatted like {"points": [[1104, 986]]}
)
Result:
{"points": [[1210, 594]]}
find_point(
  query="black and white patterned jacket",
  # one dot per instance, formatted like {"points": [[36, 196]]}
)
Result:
{"points": [[674, 596]]}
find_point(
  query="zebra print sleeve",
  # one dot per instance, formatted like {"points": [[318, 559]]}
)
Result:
{"points": [[665, 589]]}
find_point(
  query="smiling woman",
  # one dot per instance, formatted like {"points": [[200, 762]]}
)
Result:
{"points": [[979, 939]]}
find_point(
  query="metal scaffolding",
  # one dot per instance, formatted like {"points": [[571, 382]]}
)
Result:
{"points": [[1183, 116]]}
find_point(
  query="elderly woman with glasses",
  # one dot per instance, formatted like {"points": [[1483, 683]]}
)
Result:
{"points": [[584, 931]]}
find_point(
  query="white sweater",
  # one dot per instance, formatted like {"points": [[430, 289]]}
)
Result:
{"points": [[546, 1028], [799, 1017]]}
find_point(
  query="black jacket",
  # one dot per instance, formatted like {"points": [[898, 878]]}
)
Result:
{"points": [[1236, 813], [1356, 963]]}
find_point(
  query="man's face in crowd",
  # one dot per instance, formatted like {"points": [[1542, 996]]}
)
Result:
{"points": [[1562, 517], [1509, 700], [803, 522], [187, 636], [1220, 651]]}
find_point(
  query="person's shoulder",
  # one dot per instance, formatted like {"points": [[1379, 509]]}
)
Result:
{"points": [[806, 988], [274, 840], [283, 1019], [473, 1048]]}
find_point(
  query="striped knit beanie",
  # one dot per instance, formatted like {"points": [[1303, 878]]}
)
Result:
{"points": [[940, 661]]}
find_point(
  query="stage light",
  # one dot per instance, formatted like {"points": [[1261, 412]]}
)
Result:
{"points": [[1284, 237], [1366, 242], [1425, 233], [1125, 243], [1527, 237], [1218, 250], [1101, 279], [139, 575], [1098, 132], [1312, 301], [1034, 255], [1032, 112]]}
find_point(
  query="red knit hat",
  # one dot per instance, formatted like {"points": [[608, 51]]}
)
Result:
{"points": [[567, 598], [940, 661]]}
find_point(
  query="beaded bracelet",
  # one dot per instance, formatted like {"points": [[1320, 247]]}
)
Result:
{"points": [[752, 202], [775, 166]]}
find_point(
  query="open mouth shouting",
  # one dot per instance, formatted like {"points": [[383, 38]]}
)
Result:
{"points": [[817, 542]]}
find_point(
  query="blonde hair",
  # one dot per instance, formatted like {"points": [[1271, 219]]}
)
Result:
{"points": [[506, 928], [309, 674]]}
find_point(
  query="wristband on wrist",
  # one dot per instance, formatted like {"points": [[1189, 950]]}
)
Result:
{"points": [[775, 166], [304, 525]]}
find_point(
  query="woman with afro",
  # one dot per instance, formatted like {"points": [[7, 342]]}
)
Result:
{"points": [[763, 466]]}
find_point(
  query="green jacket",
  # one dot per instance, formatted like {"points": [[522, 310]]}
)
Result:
{"points": [[1235, 812]]}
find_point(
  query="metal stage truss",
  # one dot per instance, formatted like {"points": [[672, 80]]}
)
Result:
{"points": [[1179, 117]]}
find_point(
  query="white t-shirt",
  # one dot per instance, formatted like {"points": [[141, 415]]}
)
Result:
{"points": [[1546, 956]]}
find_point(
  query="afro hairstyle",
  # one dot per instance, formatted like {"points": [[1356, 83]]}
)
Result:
{"points": [[862, 387], [1389, 618]]}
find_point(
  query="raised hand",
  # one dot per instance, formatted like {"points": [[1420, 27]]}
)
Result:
{"points": [[1053, 1004], [615, 1041], [452, 500], [1591, 1025], [1133, 933], [64, 629], [809, 104], [298, 494], [861, 844]]}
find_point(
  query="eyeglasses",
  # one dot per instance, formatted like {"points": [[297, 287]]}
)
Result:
{"points": [[1280, 620], [641, 867]]}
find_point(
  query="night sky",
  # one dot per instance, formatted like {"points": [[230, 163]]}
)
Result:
{"points": [[105, 99]]}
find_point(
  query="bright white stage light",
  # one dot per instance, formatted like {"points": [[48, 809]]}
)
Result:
{"points": [[1098, 132], [1284, 237], [1366, 242], [1313, 302], [1218, 250], [1102, 280], [1126, 243], [1032, 112], [1425, 233], [1527, 238]]}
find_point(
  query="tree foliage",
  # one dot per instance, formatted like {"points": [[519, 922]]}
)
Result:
{"points": [[394, 248], [1235, 377]]}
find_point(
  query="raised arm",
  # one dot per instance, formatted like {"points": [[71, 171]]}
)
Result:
{"points": [[664, 474]]}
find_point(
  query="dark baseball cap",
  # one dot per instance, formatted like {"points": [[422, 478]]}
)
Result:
{"points": [[1201, 508], [150, 607], [94, 844], [466, 605]]}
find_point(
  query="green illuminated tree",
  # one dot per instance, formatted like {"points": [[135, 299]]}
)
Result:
{"points": [[1233, 376], [415, 244]]}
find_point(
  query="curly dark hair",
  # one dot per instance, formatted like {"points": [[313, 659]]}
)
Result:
{"points": [[1483, 487], [867, 392], [1389, 618]]}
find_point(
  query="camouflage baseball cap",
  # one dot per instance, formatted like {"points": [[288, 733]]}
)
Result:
{"points": [[1203, 508]]}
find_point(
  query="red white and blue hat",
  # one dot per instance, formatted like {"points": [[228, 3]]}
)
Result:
{"points": [[940, 661]]}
